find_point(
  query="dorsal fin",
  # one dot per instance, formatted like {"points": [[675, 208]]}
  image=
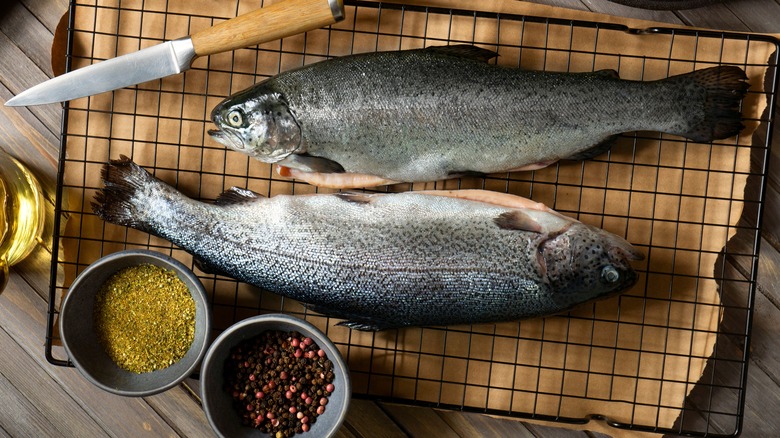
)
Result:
{"points": [[237, 195], [517, 220], [465, 51]]}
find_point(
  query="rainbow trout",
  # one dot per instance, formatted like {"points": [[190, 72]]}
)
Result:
{"points": [[443, 112], [385, 260]]}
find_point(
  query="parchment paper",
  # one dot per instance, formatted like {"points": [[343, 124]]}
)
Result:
{"points": [[633, 358]]}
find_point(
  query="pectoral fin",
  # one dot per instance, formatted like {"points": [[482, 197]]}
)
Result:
{"points": [[518, 220], [310, 163]]}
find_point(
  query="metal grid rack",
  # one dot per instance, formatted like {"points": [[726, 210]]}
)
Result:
{"points": [[561, 368]]}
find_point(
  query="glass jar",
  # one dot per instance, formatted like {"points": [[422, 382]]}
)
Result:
{"points": [[21, 214]]}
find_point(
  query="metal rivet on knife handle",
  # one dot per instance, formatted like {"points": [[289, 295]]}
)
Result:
{"points": [[269, 23]]}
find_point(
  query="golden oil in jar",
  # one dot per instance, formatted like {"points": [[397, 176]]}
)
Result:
{"points": [[21, 213]]}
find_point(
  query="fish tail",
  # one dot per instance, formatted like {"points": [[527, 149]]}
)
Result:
{"points": [[724, 88], [125, 184]]}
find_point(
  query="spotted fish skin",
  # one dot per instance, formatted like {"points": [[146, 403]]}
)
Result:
{"points": [[382, 261], [435, 113]]}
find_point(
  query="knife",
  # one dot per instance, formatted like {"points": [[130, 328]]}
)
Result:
{"points": [[272, 22]]}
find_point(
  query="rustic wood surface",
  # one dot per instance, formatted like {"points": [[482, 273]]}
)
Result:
{"points": [[40, 399]]}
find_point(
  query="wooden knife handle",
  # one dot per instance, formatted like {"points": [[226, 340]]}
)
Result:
{"points": [[272, 22]]}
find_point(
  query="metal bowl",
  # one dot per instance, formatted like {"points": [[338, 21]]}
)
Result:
{"points": [[81, 343], [218, 404]]}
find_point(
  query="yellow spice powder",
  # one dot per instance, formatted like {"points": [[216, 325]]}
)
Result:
{"points": [[145, 318]]}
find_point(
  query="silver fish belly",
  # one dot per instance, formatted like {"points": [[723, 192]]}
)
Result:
{"points": [[382, 261], [440, 112]]}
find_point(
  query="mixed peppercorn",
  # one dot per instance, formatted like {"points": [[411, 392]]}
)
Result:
{"points": [[280, 382]]}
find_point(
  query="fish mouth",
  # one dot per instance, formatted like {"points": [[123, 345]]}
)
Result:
{"points": [[224, 138]]}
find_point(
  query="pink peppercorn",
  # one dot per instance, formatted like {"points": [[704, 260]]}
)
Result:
{"points": [[299, 415], [293, 388], [283, 375], [305, 427], [309, 400], [252, 377], [288, 395], [320, 410], [321, 352], [308, 341], [259, 394], [293, 409], [295, 342], [304, 420], [330, 387], [323, 401]]}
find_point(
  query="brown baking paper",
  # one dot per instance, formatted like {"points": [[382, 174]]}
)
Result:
{"points": [[633, 358]]}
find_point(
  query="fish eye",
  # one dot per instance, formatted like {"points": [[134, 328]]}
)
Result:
{"points": [[235, 118], [610, 274]]}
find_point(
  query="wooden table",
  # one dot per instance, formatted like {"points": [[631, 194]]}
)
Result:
{"points": [[39, 399]]}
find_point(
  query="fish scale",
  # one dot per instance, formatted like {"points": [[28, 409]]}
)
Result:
{"points": [[385, 260]]}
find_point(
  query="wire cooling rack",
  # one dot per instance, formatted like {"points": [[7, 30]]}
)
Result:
{"points": [[668, 356]]}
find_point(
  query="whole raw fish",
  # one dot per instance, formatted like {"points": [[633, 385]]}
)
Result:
{"points": [[386, 260], [442, 112]]}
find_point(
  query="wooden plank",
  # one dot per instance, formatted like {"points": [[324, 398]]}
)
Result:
{"points": [[345, 432], [23, 314], [714, 17], [43, 392], [765, 344], [21, 417], [418, 421], [18, 73], [570, 4], [540, 430], [762, 402], [365, 418], [30, 35], [610, 8], [182, 412], [477, 424], [47, 12], [762, 405], [743, 15]]}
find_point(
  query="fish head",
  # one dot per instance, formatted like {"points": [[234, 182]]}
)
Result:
{"points": [[257, 123], [585, 263]]}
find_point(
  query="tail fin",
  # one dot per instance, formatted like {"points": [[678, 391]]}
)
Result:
{"points": [[724, 88], [118, 201]]}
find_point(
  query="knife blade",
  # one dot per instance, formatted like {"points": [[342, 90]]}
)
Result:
{"points": [[272, 22]]}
